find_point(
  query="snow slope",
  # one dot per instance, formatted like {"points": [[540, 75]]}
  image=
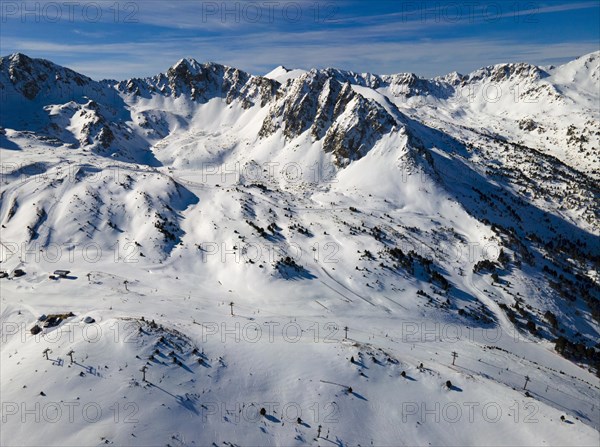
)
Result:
{"points": [[360, 225]]}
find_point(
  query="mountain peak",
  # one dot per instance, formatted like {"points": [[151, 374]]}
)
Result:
{"points": [[282, 73], [506, 71], [34, 76], [19, 57], [191, 63], [186, 64]]}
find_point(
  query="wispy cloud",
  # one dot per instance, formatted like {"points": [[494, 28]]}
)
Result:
{"points": [[417, 36], [426, 57]]}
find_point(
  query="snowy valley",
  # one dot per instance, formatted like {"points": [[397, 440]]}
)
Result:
{"points": [[302, 258]]}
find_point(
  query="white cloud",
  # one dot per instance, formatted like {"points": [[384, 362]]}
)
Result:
{"points": [[381, 44], [258, 55]]}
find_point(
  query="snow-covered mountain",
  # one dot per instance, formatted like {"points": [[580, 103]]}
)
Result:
{"points": [[364, 226]]}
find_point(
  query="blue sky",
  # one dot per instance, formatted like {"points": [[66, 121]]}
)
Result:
{"points": [[122, 39]]}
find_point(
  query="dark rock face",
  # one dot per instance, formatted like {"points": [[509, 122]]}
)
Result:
{"points": [[20, 73], [34, 76], [501, 72], [351, 140], [203, 82], [348, 123], [106, 136]]}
